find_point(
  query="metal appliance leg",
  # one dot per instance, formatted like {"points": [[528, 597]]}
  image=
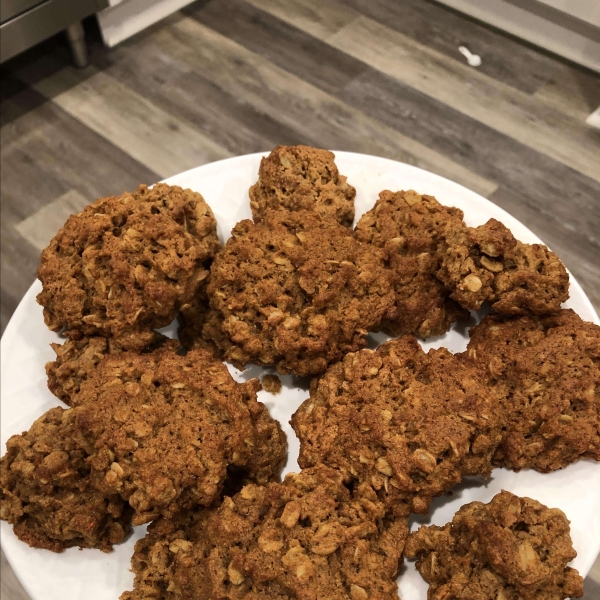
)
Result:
{"points": [[76, 37]]}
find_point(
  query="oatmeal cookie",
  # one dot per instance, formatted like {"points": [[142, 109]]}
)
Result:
{"points": [[546, 373], [79, 355], [196, 320], [408, 423], [165, 559], [308, 537], [410, 227], [165, 431], [47, 494], [510, 549], [295, 292], [487, 264], [126, 264], [302, 178]]}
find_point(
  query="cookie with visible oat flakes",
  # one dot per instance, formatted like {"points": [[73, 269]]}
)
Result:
{"points": [[510, 549], [302, 178], [487, 264], [409, 424], [168, 430], [47, 493], [308, 537], [545, 372], [125, 265], [79, 355], [410, 227], [295, 292]]}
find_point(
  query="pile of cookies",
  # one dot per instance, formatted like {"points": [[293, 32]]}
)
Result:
{"points": [[157, 433]]}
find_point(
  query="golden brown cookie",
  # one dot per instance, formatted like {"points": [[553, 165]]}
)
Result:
{"points": [[546, 373], [409, 424], [125, 265], [410, 227], [302, 178], [196, 319], [487, 264], [308, 537], [165, 560], [510, 549], [79, 355], [295, 292], [47, 492], [165, 431]]}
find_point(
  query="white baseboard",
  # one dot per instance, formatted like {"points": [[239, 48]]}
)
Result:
{"points": [[586, 10], [125, 18], [594, 119], [541, 25]]}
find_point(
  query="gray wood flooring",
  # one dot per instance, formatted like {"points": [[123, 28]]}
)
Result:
{"points": [[228, 77]]}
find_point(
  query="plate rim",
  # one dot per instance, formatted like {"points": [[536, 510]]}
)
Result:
{"points": [[11, 329]]}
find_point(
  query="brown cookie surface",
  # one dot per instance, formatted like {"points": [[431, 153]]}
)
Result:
{"points": [[546, 373], [487, 264], [410, 424], [511, 549], [295, 292], [47, 491], [78, 356], [126, 264], [168, 430], [199, 325], [302, 178], [308, 537], [410, 227]]}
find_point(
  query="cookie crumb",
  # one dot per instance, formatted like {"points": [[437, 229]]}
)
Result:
{"points": [[271, 384]]}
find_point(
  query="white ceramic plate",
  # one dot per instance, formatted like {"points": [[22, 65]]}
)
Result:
{"points": [[93, 575]]}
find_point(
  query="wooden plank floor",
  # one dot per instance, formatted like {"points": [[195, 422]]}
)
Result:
{"points": [[228, 77]]}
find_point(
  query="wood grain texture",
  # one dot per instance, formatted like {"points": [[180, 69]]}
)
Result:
{"points": [[323, 119], [46, 152], [306, 56], [576, 93], [39, 228], [442, 29], [16, 273], [129, 121], [173, 86], [530, 121], [321, 19], [10, 586], [559, 83]]}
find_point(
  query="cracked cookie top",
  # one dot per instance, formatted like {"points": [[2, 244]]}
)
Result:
{"points": [[410, 227], [125, 265], [295, 292], [510, 549], [308, 537], [408, 423], [545, 371], [302, 178]]}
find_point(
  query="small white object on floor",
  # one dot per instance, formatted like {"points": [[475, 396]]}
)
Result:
{"points": [[594, 119], [474, 60]]}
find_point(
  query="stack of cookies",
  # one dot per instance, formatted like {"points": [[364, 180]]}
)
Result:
{"points": [[158, 432]]}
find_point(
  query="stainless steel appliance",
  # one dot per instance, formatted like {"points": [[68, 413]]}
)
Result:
{"points": [[24, 23]]}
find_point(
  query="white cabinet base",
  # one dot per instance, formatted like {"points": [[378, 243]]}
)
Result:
{"points": [[542, 25], [125, 18]]}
